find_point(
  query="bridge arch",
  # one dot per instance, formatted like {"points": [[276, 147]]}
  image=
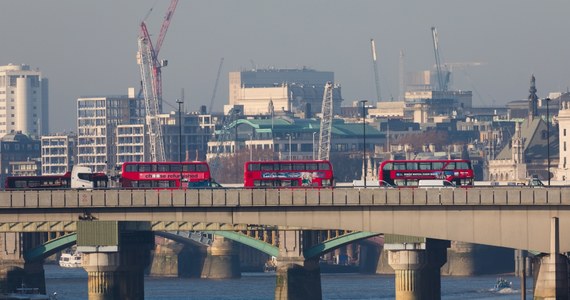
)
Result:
{"points": [[51, 247]]}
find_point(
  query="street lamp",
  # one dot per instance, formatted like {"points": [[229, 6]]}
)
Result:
{"points": [[179, 101], [289, 136], [314, 145], [251, 147], [548, 138], [364, 170]]}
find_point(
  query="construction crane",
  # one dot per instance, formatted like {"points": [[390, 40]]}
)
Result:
{"points": [[441, 80], [151, 79], [216, 86], [326, 123], [375, 66]]}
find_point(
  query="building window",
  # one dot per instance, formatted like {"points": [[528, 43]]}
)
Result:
{"points": [[564, 131]]}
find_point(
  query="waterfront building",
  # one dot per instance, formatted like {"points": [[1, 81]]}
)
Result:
{"points": [[16, 147], [196, 128], [23, 101], [294, 90], [58, 153], [98, 118], [131, 143], [533, 145]]}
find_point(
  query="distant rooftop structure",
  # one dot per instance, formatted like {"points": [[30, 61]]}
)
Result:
{"points": [[293, 90]]}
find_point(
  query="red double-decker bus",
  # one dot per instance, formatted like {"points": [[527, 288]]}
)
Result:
{"points": [[296, 173], [409, 172], [163, 174]]}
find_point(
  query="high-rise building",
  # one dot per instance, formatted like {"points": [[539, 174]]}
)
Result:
{"points": [[97, 121], [23, 101], [292, 90], [194, 136], [58, 153]]}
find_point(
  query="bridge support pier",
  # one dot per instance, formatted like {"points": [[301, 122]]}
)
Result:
{"points": [[552, 279], [116, 270], [297, 276], [417, 269], [222, 260], [14, 271]]}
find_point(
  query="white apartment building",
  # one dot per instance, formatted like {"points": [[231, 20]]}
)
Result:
{"points": [[23, 101], [131, 141], [58, 153], [97, 122]]}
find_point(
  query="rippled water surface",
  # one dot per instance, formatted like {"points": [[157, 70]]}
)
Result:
{"points": [[72, 284]]}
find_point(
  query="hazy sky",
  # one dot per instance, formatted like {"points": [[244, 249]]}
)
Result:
{"points": [[89, 47]]}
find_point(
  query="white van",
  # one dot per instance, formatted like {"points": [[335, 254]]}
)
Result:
{"points": [[435, 183]]}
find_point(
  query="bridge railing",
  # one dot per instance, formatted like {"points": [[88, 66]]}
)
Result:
{"points": [[283, 197]]}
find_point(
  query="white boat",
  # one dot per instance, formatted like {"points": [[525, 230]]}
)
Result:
{"points": [[70, 260]]}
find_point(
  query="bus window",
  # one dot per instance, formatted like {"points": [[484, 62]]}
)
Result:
{"points": [[399, 166], [286, 167], [437, 165], [450, 166], [312, 167], [411, 166], [324, 166], [131, 168], [253, 167], [163, 168], [266, 167], [175, 168], [298, 167], [425, 165], [463, 165], [388, 167]]}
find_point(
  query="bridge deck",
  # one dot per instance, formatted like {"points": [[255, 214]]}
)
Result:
{"points": [[517, 217]]}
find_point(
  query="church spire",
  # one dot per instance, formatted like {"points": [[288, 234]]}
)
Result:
{"points": [[532, 100]]}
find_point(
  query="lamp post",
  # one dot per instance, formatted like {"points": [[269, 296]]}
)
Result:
{"points": [[289, 136], [364, 170], [548, 139], [179, 101], [250, 146], [314, 145]]}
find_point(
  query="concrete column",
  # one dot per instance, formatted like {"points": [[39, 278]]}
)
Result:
{"points": [[222, 260], [436, 251], [298, 278], [408, 266], [118, 272], [552, 279], [417, 268], [14, 271], [101, 270]]}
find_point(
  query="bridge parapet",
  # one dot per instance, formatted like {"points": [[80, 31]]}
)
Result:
{"points": [[276, 197]]}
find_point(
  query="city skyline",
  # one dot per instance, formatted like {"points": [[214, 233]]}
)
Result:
{"points": [[90, 48]]}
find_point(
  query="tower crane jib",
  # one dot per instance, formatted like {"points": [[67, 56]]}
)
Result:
{"points": [[151, 79]]}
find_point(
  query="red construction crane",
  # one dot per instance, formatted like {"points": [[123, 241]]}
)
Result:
{"points": [[151, 78]]}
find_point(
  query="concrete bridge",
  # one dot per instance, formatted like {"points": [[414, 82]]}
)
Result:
{"points": [[514, 217]]}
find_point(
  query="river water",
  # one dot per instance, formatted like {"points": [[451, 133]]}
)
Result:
{"points": [[72, 284]]}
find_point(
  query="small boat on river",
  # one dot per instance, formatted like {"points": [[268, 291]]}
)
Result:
{"points": [[70, 259]]}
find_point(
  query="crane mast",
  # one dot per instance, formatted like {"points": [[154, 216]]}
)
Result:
{"points": [[375, 66], [326, 123], [440, 79], [151, 79], [216, 86]]}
